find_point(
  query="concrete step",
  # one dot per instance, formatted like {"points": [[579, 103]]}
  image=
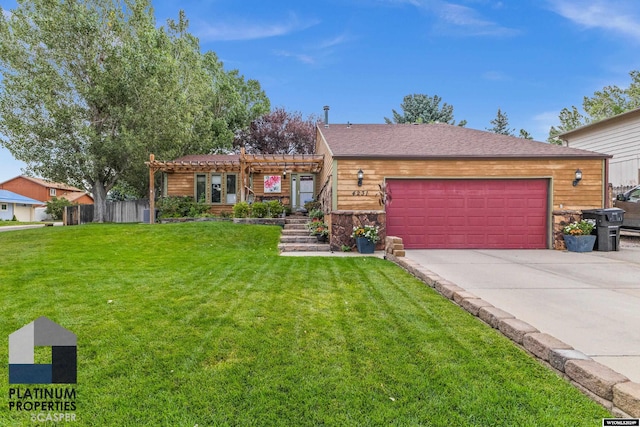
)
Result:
{"points": [[302, 226], [304, 247], [286, 232], [298, 239], [298, 220]]}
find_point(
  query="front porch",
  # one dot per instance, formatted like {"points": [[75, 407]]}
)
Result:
{"points": [[224, 180]]}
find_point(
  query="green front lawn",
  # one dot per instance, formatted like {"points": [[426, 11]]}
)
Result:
{"points": [[204, 324]]}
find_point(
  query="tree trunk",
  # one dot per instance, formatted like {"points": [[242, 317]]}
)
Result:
{"points": [[99, 201]]}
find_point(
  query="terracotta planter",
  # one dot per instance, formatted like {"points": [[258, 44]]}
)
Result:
{"points": [[579, 243], [365, 246]]}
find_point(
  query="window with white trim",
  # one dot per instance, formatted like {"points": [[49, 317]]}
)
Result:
{"points": [[4, 207], [52, 192]]}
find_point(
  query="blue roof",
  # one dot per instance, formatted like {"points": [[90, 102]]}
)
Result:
{"points": [[7, 196]]}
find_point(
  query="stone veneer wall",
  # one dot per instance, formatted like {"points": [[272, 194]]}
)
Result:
{"points": [[342, 222], [560, 219]]}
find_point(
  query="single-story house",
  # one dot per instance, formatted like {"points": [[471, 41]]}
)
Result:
{"points": [[15, 204], [433, 185], [39, 189], [618, 136]]}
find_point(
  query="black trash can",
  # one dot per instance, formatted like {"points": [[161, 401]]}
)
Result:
{"points": [[607, 230]]}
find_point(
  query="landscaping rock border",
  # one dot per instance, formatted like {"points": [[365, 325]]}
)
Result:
{"points": [[610, 389]]}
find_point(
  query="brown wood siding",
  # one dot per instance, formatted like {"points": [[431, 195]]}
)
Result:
{"points": [[324, 181], [327, 167], [183, 184], [588, 193], [180, 184]]}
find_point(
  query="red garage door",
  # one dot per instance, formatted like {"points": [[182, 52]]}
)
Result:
{"points": [[480, 214]]}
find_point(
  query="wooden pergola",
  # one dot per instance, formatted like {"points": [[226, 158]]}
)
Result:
{"points": [[245, 164]]}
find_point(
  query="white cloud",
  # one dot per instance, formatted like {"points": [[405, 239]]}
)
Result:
{"points": [[622, 17], [318, 53], [252, 30], [301, 57], [457, 19], [335, 41]]}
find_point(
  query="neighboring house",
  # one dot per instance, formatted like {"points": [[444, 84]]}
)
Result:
{"points": [[12, 204], [618, 136], [40, 189], [445, 186]]}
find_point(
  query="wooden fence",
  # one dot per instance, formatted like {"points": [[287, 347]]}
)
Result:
{"points": [[126, 211]]}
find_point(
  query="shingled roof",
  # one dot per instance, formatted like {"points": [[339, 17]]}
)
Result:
{"points": [[436, 140]]}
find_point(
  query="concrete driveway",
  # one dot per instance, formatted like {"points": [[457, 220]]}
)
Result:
{"points": [[26, 227], [590, 301]]}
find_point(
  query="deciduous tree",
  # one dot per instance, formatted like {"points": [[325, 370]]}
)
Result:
{"points": [[608, 102], [279, 132], [90, 87]]}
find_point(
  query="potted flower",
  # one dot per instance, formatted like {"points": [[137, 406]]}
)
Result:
{"points": [[319, 229], [366, 237], [578, 237], [321, 232]]}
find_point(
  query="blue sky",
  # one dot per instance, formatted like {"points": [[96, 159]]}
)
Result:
{"points": [[530, 58]]}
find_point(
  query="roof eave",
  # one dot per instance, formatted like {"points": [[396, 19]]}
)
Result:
{"points": [[497, 156], [599, 123]]}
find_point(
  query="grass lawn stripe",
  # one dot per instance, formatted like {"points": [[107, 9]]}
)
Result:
{"points": [[207, 325]]}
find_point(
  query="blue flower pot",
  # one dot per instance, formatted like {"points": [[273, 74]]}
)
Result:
{"points": [[365, 246], [579, 243]]}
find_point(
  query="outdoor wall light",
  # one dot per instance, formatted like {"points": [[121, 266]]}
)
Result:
{"points": [[284, 173], [578, 177], [360, 176]]}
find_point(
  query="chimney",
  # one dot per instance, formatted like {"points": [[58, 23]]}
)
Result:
{"points": [[326, 116]]}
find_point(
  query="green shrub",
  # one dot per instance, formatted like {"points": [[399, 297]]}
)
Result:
{"points": [[181, 207], [259, 210], [241, 210], [275, 208], [55, 207], [198, 209]]}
